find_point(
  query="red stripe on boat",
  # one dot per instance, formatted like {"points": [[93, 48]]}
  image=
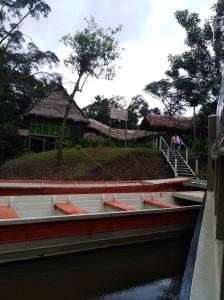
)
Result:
{"points": [[7, 212], [157, 203], [118, 205], [69, 208], [37, 231], [16, 191]]}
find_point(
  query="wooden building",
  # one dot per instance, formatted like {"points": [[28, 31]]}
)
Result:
{"points": [[169, 124], [43, 121]]}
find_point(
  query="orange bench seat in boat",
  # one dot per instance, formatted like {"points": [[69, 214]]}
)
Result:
{"points": [[119, 205], [69, 208], [7, 212], [157, 203]]}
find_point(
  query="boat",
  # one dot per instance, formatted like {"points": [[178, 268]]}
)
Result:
{"points": [[55, 219], [54, 183]]}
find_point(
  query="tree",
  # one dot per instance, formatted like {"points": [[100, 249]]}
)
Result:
{"points": [[137, 109], [99, 109], [18, 11], [21, 81], [94, 52], [195, 74], [169, 96], [202, 63]]}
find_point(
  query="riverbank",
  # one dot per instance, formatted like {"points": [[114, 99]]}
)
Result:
{"points": [[89, 164]]}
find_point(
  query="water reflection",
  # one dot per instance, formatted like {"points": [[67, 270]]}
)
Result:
{"points": [[151, 271]]}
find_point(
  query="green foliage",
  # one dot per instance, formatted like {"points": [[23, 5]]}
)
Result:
{"points": [[99, 110], [137, 109], [78, 146], [171, 99], [94, 50], [200, 146], [21, 81], [195, 74]]}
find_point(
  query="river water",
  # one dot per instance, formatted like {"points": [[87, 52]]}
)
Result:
{"points": [[146, 271]]}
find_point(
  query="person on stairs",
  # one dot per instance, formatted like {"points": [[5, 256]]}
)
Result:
{"points": [[174, 143]]}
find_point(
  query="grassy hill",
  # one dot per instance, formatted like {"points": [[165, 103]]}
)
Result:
{"points": [[89, 164]]}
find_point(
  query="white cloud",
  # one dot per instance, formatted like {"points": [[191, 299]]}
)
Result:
{"points": [[150, 33]]}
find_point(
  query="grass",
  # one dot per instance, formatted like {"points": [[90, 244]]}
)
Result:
{"points": [[126, 163]]}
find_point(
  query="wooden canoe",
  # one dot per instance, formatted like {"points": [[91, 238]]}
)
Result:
{"points": [[28, 187]]}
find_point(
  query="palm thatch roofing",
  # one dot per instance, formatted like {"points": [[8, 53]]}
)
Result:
{"points": [[119, 134], [159, 122], [53, 107]]}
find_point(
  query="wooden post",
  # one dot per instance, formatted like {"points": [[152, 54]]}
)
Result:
{"points": [[196, 166], [126, 125], [194, 124], [153, 144], [29, 142], [156, 143], [109, 132], [44, 144], [220, 201], [216, 185], [211, 141], [160, 143]]}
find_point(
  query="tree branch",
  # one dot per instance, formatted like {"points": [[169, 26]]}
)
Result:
{"points": [[83, 83], [15, 26]]}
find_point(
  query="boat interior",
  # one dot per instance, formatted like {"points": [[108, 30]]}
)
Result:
{"points": [[34, 206]]}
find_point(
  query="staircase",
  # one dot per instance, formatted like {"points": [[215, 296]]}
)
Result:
{"points": [[179, 165]]}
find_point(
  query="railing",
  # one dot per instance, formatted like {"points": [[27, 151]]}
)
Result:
{"points": [[166, 152], [161, 144], [187, 151]]}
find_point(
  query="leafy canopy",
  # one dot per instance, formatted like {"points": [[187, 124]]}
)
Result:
{"points": [[99, 110], [94, 50], [195, 75]]}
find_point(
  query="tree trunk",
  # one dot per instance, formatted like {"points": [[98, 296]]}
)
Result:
{"points": [[194, 124], [64, 122]]}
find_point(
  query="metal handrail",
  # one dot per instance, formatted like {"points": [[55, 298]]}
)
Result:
{"points": [[168, 149], [185, 161], [187, 149]]}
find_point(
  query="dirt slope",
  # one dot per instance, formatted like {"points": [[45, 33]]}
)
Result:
{"points": [[89, 164]]}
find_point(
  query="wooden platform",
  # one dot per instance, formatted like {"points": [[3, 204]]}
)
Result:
{"points": [[195, 196]]}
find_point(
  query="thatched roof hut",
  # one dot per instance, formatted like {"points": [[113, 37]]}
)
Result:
{"points": [[53, 107], [167, 123], [119, 134]]}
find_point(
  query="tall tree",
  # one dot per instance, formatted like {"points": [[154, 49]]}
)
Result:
{"points": [[168, 95], [195, 74], [202, 63], [137, 109], [12, 15], [94, 52], [21, 79]]}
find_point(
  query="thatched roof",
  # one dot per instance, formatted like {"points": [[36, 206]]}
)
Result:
{"points": [[167, 122], [53, 106], [118, 134]]}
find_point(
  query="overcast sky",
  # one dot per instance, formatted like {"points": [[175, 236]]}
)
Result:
{"points": [[150, 32]]}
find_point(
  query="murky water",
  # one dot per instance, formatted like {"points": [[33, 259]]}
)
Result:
{"points": [[146, 271]]}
